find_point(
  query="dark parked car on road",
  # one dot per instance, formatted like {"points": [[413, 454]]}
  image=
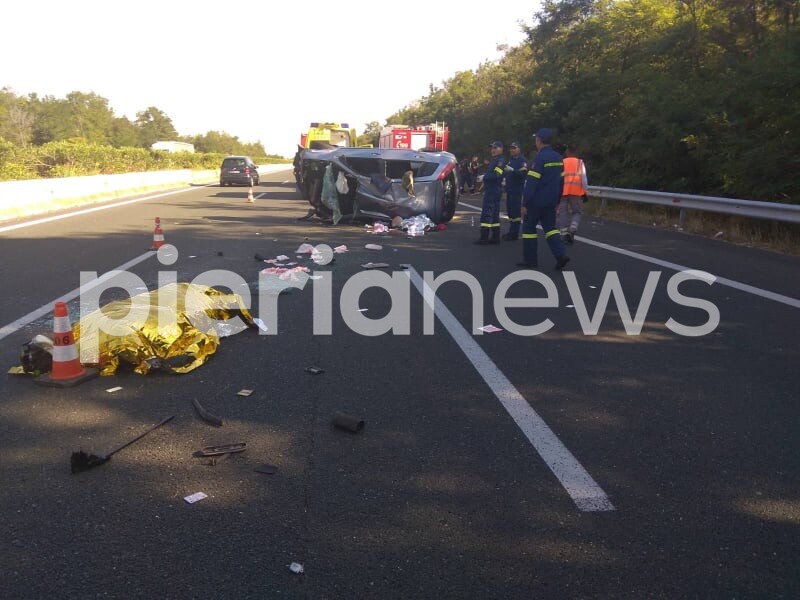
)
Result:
{"points": [[238, 170]]}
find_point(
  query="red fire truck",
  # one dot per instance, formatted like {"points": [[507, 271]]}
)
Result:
{"points": [[433, 137]]}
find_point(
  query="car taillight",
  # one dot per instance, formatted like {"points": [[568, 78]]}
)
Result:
{"points": [[247, 170], [446, 171]]}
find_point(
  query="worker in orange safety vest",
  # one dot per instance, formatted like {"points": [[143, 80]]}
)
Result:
{"points": [[573, 196]]}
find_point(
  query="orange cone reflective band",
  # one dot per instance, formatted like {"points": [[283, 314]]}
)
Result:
{"points": [[67, 370], [65, 353], [158, 236]]}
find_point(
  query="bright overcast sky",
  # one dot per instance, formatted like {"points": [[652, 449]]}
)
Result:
{"points": [[259, 75]]}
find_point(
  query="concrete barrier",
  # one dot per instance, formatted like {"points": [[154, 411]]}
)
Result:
{"points": [[30, 197]]}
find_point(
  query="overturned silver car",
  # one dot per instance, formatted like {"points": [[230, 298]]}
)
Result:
{"points": [[378, 183]]}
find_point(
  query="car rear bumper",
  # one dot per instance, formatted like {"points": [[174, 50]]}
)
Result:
{"points": [[238, 179]]}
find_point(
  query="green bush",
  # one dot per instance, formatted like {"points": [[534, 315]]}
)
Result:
{"points": [[69, 158]]}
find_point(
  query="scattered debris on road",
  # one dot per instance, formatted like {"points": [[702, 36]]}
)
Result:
{"points": [[37, 355], [348, 422], [80, 461], [220, 450], [196, 497], [205, 415]]}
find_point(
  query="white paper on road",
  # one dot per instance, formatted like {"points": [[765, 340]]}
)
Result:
{"points": [[490, 329], [196, 497]]}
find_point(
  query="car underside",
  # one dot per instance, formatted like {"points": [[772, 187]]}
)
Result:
{"points": [[381, 183]]}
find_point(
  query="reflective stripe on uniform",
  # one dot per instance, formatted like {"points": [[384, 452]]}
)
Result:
{"points": [[535, 174], [529, 236], [515, 219], [551, 233], [553, 164], [486, 224], [498, 170]]}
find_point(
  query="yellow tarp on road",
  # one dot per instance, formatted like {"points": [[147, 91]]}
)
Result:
{"points": [[176, 328]]}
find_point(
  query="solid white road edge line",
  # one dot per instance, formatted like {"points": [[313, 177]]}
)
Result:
{"points": [[742, 287], [7, 330], [85, 211], [478, 208], [584, 491]]}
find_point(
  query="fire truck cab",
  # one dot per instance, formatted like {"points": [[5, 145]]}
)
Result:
{"points": [[428, 137]]}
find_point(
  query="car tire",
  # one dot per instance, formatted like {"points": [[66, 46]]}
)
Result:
{"points": [[447, 209]]}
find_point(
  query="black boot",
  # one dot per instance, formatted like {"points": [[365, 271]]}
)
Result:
{"points": [[495, 236], [513, 232], [484, 239]]}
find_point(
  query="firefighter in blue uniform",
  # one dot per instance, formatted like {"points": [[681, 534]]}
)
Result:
{"points": [[516, 173], [492, 192], [540, 197]]}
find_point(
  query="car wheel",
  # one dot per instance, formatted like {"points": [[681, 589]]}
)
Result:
{"points": [[449, 201]]}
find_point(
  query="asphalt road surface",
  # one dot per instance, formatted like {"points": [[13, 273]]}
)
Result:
{"points": [[622, 464]]}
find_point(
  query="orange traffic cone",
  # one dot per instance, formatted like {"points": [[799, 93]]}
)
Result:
{"points": [[67, 370], [158, 236], [250, 198]]}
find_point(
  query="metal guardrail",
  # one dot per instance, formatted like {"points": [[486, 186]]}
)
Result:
{"points": [[772, 211]]}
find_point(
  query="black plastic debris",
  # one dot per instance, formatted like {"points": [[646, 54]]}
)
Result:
{"points": [[205, 415], [37, 355], [348, 422], [266, 469]]}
